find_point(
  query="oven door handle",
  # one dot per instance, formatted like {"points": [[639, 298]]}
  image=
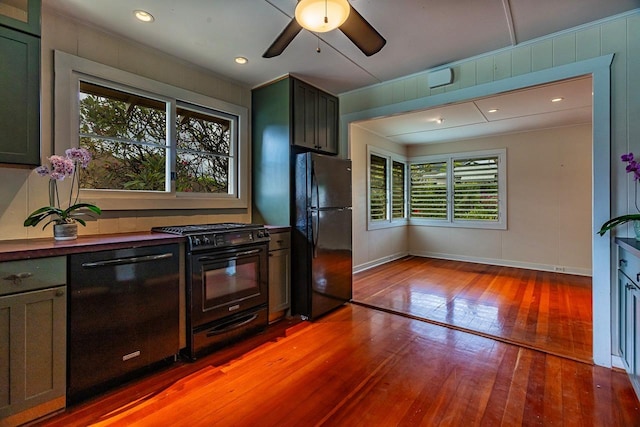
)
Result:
{"points": [[234, 255], [226, 327], [123, 261]]}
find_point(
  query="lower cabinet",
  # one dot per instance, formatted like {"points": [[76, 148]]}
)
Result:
{"points": [[629, 315], [32, 340], [279, 275]]}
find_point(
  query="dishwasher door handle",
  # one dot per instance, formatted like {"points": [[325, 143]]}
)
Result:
{"points": [[124, 261]]}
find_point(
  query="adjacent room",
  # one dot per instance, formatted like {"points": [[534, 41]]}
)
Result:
{"points": [[540, 138]]}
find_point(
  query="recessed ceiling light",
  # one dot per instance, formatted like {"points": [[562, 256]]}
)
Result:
{"points": [[493, 110], [439, 121], [143, 16], [557, 99], [241, 60]]}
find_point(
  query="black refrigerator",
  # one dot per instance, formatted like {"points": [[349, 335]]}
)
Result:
{"points": [[321, 255]]}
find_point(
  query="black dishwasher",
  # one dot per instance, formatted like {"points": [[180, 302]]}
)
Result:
{"points": [[123, 315]]}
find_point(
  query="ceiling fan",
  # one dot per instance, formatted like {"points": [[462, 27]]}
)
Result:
{"points": [[326, 15]]}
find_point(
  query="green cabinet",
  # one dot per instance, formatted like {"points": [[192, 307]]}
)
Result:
{"points": [[22, 15], [20, 88], [33, 304], [315, 118], [288, 116], [279, 274]]}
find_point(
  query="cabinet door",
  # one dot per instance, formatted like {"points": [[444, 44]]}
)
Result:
{"points": [[633, 336], [20, 95], [279, 286], [23, 15], [623, 285], [305, 113], [327, 123], [33, 355]]}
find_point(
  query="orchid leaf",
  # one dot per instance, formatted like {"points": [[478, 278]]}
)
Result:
{"points": [[614, 222]]}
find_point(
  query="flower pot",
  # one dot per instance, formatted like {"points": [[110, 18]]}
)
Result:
{"points": [[65, 231]]}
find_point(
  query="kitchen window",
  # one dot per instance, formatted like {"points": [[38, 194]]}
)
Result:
{"points": [[459, 190], [154, 146], [386, 189]]}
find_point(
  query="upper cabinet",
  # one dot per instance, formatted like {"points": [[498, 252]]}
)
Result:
{"points": [[315, 118], [22, 15], [288, 116], [20, 82]]}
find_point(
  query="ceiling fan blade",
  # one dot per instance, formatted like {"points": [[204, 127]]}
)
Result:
{"points": [[283, 40], [362, 34]]}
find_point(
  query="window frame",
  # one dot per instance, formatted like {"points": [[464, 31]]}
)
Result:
{"points": [[389, 158], [70, 70], [500, 224]]}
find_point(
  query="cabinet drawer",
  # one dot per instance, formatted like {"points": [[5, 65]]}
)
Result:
{"points": [[280, 241], [629, 265], [31, 274]]}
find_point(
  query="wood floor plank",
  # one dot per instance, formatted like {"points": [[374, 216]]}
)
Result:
{"points": [[363, 367], [544, 310]]}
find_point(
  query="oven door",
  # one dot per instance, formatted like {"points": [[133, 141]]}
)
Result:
{"points": [[227, 282]]}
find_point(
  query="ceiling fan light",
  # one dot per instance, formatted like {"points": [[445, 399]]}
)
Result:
{"points": [[310, 14]]}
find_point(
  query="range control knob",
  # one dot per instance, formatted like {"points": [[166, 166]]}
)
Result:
{"points": [[206, 240], [195, 241], [260, 234]]}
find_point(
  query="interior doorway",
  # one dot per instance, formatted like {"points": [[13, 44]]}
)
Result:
{"points": [[602, 266]]}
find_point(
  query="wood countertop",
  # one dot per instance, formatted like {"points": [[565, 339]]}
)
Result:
{"points": [[11, 250]]}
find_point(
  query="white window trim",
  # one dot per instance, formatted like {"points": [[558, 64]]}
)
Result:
{"points": [[70, 69], [390, 157], [501, 224]]}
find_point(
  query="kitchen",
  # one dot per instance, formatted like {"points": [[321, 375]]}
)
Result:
{"points": [[28, 192]]}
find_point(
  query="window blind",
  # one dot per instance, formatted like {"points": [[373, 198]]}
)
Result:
{"points": [[397, 189], [475, 189], [378, 188], [429, 190]]}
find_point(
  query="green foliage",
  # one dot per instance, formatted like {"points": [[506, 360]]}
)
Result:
{"points": [[69, 215], [129, 148], [614, 222]]}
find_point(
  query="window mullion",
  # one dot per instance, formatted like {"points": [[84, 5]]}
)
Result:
{"points": [[172, 114]]}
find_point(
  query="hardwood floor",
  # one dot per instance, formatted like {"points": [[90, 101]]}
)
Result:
{"points": [[542, 310], [363, 367]]}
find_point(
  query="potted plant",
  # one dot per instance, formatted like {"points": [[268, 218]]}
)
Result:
{"points": [[65, 220], [632, 167]]}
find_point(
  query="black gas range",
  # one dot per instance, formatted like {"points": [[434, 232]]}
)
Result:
{"points": [[226, 282], [203, 237]]}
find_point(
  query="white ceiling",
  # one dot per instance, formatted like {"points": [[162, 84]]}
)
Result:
{"points": [[421, 34], [518, 111]]}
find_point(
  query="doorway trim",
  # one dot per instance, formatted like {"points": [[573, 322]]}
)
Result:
{"points": [[599, 69]]}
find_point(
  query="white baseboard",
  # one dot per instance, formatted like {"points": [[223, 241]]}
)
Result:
{"points": [[377, 262], [616, 362], [507, 263]]}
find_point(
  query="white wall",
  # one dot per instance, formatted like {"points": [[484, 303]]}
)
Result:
{"points": [[373, 247], [549, 204], [22, 191]]}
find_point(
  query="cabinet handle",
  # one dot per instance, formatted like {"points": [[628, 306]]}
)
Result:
{"points": [[59, 292], [17, 278], [637, 277], [623, 262]]}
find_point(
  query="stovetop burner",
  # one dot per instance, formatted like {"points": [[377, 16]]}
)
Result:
{"points": [[187, 230], [218, 235]]}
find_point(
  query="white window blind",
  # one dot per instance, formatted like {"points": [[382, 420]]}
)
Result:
{"points": [[475, 189], [397, 187], [429, 190], [377, 188]]}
